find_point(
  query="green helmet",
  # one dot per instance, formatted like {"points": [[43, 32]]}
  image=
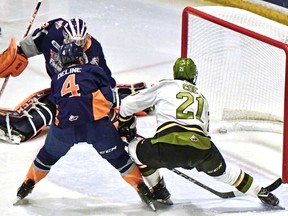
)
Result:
{"points": [[185, 69]]}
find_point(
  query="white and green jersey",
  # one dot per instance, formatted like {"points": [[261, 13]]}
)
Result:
{"points": [[174, 100]]}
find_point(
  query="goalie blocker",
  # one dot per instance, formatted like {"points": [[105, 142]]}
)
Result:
{"points": [[28, 119], [11, 62]]}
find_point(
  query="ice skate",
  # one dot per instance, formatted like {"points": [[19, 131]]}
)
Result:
{"points": [[161, 194], [146, 195], [23, 191], [267, 197]]}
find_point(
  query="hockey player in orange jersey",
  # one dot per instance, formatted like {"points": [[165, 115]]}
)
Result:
{"points": [[83, 97]]}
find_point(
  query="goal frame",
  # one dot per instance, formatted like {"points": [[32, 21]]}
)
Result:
{"points": [[184, 42]]}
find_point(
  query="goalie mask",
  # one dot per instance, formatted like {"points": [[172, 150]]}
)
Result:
{"points": [[185, 69], [71, 53], [75, 30]]}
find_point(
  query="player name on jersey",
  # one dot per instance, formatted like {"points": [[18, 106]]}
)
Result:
{"points": [[69, 71]]}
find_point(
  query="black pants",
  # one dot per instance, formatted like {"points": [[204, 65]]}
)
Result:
{"points": [[163, 155]]}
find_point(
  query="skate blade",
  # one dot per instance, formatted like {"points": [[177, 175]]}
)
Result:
{"points": [[152, 206], [165, 202], [20, 202]]}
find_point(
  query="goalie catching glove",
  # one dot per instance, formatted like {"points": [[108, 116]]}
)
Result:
{"points": [[11, 62], [127, 127]]}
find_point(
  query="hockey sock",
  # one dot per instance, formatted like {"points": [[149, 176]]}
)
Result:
{"points": [[150, 175], [230, 176], [133, 177], [35, 175]]}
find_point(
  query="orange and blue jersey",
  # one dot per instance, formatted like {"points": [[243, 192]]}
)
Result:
{"points": [[50, 37], [82, 94]]}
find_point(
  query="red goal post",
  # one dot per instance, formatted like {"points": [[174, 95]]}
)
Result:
{"points": [[246, 44]]}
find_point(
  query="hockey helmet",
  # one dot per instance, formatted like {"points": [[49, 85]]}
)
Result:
{"points": [[185, 69], [71, 53], [75, 30]]}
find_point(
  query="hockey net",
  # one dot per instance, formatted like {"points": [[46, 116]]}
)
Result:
{"points": [[242, 61]]}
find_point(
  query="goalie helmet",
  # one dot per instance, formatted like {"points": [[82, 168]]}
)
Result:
{"points": [[75, 30], [185, 69], [71, 53]]}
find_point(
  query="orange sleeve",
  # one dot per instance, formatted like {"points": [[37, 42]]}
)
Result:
{"points": [[101, 107]]}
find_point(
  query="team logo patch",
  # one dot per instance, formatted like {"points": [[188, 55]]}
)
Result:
{"points": [[95, 61], [108, 150], [194, 138], [58, 24], [73, 118]]}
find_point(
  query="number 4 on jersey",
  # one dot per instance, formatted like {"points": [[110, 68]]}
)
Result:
{"points": [[70, 87]]}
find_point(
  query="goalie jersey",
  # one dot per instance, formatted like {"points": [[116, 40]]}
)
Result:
{"points": [[47, 39], [82, 94]]}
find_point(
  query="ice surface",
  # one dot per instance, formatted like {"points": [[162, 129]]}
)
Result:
{"points": [[141, 40]]}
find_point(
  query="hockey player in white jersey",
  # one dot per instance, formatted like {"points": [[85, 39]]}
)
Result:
{"points": [[182, 139]]}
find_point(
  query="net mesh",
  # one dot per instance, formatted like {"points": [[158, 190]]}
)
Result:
{"points": [[241, 76]]}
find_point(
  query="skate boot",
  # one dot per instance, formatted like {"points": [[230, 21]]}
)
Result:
{"points": [[267, 197], [161, 194], [25, 189], [146, 195]]}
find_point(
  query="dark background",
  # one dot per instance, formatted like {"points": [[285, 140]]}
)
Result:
{"points": [[283, 3]]}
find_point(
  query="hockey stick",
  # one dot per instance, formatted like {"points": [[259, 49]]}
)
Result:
{"points": [[230, 194], [26, 33], [274, 185], [223, 195]]}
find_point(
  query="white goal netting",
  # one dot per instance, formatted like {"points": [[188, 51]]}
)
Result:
{"points": [[241, 64]]}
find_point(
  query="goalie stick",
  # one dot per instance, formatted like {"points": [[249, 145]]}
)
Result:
{"points": [[274, 185], [26, 33]]}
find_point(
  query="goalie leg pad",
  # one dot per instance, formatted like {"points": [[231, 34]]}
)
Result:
{"points": [[11, 62], [29, 118], [123, 90], [126, 89]]}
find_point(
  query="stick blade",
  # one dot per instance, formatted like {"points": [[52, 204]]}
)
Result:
{"points": [[274, 185]]}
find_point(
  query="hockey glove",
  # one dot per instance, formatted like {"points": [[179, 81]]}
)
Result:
{"points": [[12, 62], [127, 127]]}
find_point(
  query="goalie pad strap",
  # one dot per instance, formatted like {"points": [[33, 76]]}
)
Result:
{"points": [[27, 104], [42, 105], [28, 118], [31, 122], [11, 62], [8, 125]]}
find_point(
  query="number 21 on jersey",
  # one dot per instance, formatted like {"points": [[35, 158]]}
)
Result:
{"points": [[189, 100]]}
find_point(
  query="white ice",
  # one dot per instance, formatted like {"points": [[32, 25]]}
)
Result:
{"points": [[141, 40]]}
